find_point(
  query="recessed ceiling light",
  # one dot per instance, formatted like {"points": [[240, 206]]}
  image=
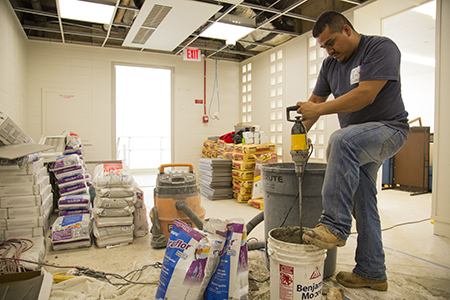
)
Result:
{"points": [[86, 11], [224, 31]]}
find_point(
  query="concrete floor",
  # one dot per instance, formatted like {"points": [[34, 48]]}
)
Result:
{"points": [[418, 262]]}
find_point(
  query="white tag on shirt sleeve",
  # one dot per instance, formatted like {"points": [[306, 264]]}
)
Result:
{"points": [[354, 75]]}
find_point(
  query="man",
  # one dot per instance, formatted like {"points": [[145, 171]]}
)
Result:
{"points": [[363, 74]]}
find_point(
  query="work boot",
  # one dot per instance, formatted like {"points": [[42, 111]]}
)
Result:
{"points": [[351, 280], [322, 237]]}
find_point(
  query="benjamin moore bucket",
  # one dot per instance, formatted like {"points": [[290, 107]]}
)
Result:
{"points": [[296, 270], [280, 188]]}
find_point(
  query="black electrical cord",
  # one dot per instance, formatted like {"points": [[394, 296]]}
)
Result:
{"points": [[102, 275]]}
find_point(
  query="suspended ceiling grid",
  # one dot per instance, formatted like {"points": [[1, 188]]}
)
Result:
{"points": [[276, 22]]}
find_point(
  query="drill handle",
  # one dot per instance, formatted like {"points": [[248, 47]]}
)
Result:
{"points": [[288, 112]]}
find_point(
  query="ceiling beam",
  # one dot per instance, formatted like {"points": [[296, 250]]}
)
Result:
{"points": [[278, 12]]}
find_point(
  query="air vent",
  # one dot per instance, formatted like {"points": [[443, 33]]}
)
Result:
{"points": [[156, 16], [142, 36], [164, 27]]}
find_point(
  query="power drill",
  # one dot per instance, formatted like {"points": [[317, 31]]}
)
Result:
{"points": [[299, 141], [300, 153]]}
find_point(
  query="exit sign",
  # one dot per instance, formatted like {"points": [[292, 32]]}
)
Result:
{"points": [[192, 54]]}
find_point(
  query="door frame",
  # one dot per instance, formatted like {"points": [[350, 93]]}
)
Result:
{"points": [[113, 103]]}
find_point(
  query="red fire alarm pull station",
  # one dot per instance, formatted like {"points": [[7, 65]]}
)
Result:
{"points": [[192, 54], [198, 101], [205, 119]]}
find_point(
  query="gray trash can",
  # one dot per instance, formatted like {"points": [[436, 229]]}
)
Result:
{"points": [[281, 205]]}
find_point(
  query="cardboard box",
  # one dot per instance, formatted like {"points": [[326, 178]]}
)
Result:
{"points": [[24, 201], [26, 285], [25, 189], [10, 133], [31, 211], [7, 179]]}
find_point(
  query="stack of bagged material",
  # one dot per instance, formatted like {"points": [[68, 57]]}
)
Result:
{"points": [[71, 232], [73, 228], [114, 204], [25, 197], [244, 167], [215, 178], [73, 145], [73, 183]]}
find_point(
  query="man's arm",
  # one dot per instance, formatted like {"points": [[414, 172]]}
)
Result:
{"points": [[355, 100]]}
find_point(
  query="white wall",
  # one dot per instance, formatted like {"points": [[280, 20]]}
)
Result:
{"points": [[441, 170], [76, 67], [13, 66]]}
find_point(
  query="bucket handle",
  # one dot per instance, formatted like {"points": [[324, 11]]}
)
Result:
{"points": [[161, 168]]}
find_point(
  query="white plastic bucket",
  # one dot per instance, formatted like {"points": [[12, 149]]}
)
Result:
{"points": [[296, 270]]}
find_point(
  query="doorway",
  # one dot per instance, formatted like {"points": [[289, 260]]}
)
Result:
{"points": [[143, 120]]}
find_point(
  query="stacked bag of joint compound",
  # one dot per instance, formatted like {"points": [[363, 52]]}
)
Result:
{"points": [[244, 168], [26, 199], [208, 264], [228, 151], [209, 149], [257, 192], [114, 204], [73, 228]]}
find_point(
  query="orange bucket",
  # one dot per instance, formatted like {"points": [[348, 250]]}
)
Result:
{"points": [[171, 187]]}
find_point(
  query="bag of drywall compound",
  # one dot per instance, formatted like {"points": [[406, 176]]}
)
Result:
{"points": [[226, 282], [241, 283], [112, 175], [189, 261]]}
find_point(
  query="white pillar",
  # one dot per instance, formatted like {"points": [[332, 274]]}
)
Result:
{"points": [[441, 166]]}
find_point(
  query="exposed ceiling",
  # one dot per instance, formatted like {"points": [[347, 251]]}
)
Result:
{"points": [[181, 24]]}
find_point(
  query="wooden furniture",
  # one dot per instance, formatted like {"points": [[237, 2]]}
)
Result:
{"points": [[410, 170]]}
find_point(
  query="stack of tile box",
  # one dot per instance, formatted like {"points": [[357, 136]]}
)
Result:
{"points": [[215, 178], [114, 204], [26, 199], [244, 167]]}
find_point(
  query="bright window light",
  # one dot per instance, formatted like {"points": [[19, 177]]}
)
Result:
{"points": [[224, 31], [86, 11], [427, 9]]}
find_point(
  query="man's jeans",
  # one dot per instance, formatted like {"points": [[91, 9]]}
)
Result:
{"points": [[354, 155]]}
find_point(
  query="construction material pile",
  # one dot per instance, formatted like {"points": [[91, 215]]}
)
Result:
{"points": [[73, 228], [114, 204], [243, 158], [26, 199], [215, 178]]}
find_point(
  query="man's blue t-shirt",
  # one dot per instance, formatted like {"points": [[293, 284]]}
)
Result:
{"points": [[376, 58]]}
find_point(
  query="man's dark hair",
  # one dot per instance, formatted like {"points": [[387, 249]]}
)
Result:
{"points": [[333, 19]]}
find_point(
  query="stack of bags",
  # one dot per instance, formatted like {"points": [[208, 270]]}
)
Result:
{"points": [[244, 168], [73, 184], [215, 178], [209, 149], [114, 204], [73, 228], [228, 151], [26, 199]]}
